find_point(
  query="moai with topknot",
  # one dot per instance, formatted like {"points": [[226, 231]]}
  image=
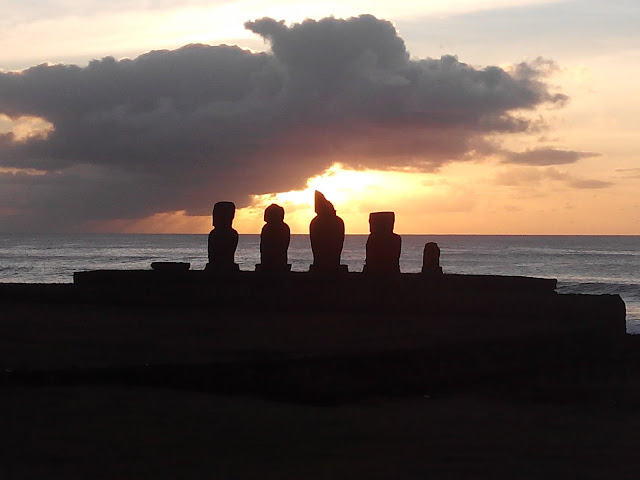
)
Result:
{"points": [[327, 237], [383, 246]]}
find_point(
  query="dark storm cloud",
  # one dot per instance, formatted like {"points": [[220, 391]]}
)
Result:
{"points": [[542, 157], [174, 130]]}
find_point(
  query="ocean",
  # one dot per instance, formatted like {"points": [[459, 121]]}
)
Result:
{"points": [[581, 264]]}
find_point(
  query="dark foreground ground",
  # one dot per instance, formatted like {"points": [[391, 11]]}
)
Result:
{"points": [[96, 432], [576, 422]]}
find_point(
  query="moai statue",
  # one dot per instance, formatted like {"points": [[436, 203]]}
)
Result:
{"points": [[274, 241], [431, 259], [383, 246], [223, 239], [327, 237]]}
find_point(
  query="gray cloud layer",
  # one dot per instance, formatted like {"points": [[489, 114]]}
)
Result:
{"points": [[545, 157], [174, 130]]}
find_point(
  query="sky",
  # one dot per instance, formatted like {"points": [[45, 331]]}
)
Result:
{"points": [[462, 117]]}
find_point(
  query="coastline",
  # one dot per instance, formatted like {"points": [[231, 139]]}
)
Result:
{"points": [[582, 264]]}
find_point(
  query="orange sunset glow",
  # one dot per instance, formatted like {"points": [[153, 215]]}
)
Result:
{"points": [[440, 203]]}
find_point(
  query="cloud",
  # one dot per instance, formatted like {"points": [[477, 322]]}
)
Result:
{"points": [[588, 184], [629, 172], [517, 177], [545, 157], [177, 130], [18, 11]]}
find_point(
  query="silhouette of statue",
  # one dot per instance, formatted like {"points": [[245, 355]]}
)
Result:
{"points": [[223, 239], [327, 237], [431, 259], [383, 246], [274, 241]]}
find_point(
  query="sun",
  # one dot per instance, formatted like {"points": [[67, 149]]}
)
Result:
{"points": [[348, 190]]}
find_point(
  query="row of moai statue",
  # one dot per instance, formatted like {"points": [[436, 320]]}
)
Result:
{"points": [[327, 239]]}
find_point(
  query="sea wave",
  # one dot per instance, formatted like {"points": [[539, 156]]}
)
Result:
{"points": [[596, 288], [17, 268]]}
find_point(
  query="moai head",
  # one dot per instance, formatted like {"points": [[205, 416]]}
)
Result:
{"points": [[323, 206], [223, 213], [381, 222], [431, 256], [274, 214]]}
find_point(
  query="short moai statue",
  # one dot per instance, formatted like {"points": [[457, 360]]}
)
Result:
{"points": [[383, 246], [274, 241], [431, 259], [223, 239], [327, 237]]}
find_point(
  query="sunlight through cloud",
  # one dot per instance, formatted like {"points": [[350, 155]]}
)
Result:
{"points": [[26, 127]]}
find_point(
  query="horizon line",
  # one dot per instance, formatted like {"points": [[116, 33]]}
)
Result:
{"points": [[351, 234]]}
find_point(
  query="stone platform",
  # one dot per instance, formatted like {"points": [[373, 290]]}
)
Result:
{"points": [[523, 299], [308, 335], [304, 290]]}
